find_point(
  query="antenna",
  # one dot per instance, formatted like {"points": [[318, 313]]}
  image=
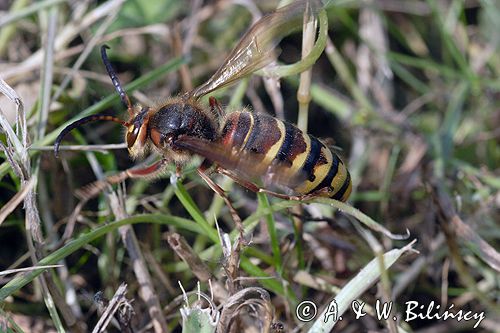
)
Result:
{"points": [[116, 82], [82, 121]]}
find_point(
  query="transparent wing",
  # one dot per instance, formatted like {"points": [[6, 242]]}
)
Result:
{"points": [[243, 164], [256, 49]]}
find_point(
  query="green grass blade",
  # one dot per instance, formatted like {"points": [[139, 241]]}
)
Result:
{"points": [[76, 244]]}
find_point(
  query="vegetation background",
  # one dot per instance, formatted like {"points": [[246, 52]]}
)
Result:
{"points": [[408, 89]]}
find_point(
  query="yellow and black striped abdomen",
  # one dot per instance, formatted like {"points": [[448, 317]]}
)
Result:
{"points": [[280, 152]]}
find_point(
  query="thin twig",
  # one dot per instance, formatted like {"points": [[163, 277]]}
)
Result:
{"points": [[27, 269], [129, 239], [15, 200], [67, 35], [114, 305], [100, 148], [89, 46]]}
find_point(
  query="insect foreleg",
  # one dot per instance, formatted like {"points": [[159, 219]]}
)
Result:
{"points": [[93, 189], [153, 170]]}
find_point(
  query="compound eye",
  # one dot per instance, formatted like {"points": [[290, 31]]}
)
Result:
{"points": [[132, 136]]}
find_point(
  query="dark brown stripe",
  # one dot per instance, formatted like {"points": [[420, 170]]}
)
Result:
{"points": [[236, 129], [265, 133], [327, 182], [312, 158], [340, 193]]}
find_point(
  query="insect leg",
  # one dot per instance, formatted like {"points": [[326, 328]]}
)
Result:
{"points": [[323, 192], [149, 171], [217, 189], [254, 187], [93, 189]]}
